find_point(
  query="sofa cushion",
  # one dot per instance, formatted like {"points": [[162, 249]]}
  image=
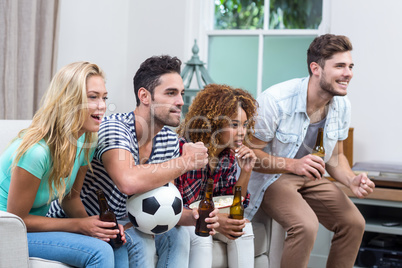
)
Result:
{"points": [[219, 258], [9, 130], [42, 263], [260, 239]]}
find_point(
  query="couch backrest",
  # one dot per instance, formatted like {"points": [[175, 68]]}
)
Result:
{"points": [[9, 130]]}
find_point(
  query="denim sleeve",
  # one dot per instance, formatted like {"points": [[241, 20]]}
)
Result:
{"points": [[345, 120], [267, 118]]}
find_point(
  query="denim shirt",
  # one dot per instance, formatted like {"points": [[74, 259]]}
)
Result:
{"points": [[282, 121]]}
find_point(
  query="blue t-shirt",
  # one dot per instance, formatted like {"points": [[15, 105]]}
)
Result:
{"points": [[37, 161], [117, 131]]}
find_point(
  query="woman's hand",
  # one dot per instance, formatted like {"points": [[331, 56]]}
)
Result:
{"points": [[93, 226], [212, 220], [122, 234], [230, 228], [245, 158]]}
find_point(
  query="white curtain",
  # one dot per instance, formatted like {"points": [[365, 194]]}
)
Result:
{"points": [[28, 34]]}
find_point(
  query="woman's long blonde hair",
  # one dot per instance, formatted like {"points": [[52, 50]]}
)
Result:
{"points": [[63, 111]]}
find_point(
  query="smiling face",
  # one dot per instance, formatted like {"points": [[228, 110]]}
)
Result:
{"points": [[167, 100], [337, 73], [96, 95], [233, 133]]}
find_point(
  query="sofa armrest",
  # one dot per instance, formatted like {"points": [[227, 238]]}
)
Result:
{"points": [[13, 242]]}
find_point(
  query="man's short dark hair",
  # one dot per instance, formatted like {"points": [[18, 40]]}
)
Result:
{"points": [[325, 46], [147, 76]]}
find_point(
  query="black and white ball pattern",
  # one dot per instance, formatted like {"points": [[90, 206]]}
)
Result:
{"points": [[156, 211]]}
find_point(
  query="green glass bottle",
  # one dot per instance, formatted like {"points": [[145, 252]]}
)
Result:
{"points": [[318, 149], [237, 208]]}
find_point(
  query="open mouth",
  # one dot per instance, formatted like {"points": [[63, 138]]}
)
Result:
{"points": [[343, 83], [96, 117]]}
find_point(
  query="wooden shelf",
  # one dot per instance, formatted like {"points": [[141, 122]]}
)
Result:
{"points": [[379, 193]]}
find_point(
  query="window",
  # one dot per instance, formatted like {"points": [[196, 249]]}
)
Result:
{"points": [[237, 14], [254, 44]]}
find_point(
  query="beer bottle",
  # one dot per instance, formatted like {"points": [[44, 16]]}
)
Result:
{"points": [[205, 207], [318, 149], [106, 214], [237, 208]]}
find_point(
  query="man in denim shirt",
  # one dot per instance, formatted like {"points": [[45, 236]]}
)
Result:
{"points": [[287, 181]]}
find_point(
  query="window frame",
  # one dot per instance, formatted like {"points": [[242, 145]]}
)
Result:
{"points": [[206, 12]]}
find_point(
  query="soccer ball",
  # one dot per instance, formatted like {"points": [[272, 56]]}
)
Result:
{"points": [[156, 211]]}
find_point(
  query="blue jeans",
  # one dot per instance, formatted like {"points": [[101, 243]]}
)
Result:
{"points": [[75, 250], [171, 248]]}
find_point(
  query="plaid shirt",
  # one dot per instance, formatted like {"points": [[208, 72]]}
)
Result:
{"points": [[193, 183]]}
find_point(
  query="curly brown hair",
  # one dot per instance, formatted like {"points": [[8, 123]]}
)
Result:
{"points": [[211, 111]]}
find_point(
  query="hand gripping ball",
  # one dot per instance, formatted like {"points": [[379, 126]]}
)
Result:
{"points": [[156, 211]]}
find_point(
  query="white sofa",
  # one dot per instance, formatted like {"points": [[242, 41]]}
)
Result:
{"points": [[13, 238], [268, 244]]}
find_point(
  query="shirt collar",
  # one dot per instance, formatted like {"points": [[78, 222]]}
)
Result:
{"points": [[301, 104], [302, 96]]}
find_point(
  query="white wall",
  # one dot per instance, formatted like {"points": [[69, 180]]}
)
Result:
{"points": [[96, 31], [375, 90], [119, 35]]}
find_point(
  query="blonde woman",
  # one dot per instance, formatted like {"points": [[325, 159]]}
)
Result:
{"points": [[48, 161]]}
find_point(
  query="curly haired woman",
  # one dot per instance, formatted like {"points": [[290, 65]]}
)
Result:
{"points": [[48, 161], [221, 117]]}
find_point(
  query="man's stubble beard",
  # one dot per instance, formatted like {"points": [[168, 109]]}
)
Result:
{"points": [[164, 120], [327, 87]]}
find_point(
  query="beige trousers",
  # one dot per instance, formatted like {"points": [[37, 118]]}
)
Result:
{"points": [[299, 205]]}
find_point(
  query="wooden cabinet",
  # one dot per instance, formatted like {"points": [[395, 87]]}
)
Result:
{"points": [[383, 206]]}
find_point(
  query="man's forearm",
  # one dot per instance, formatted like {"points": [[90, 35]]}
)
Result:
{"points": [[339, 169], [131, 180]]}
